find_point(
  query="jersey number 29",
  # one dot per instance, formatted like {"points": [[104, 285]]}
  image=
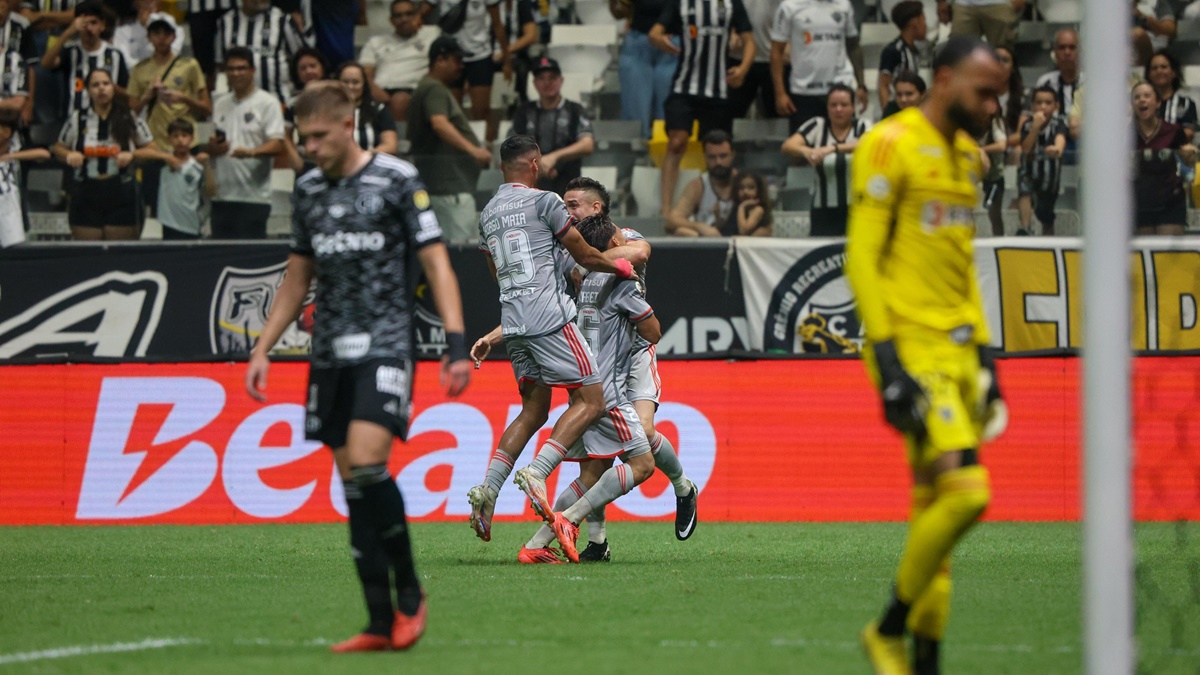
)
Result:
{"points": [[514, 261]]}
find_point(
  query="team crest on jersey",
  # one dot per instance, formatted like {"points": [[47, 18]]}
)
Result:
{"points": [[248, 117], [812, 308], [369, 204], [421, 199], [240, 304]]}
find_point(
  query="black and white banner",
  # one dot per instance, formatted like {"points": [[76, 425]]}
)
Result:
{"points": [[189, 302]]}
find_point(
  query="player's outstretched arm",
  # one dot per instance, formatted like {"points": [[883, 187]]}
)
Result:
{"points": [[594, 260], [456, 369], [288, 303]]}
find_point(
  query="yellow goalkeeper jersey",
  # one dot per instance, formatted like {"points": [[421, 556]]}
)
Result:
{"points": [[909, 253]]}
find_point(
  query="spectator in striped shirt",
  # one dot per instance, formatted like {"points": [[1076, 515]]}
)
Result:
{"points": [[79, 57], [827, 143], [1043, 141], [19, 56], [12, 219], [901, 55], [1163, 73], [100, 143], [271, 35]]}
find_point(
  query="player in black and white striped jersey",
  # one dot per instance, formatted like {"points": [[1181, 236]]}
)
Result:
{"points": [[271, 34], [12, 219], [700, 89], [48, 15], [827, 144], [79, 57], [100, 144]]}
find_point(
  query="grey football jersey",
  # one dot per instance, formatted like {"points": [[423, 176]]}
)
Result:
{"points": [[608, 310], [520, 228], [639, 343], [364, 232]]}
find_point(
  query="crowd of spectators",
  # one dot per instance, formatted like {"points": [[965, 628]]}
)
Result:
{"points": [[150, 115]]}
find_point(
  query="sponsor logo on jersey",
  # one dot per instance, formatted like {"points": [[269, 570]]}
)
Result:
{"points": [[114, 314], [240, 304], [812, 308], [343, 242], [350, 347]]}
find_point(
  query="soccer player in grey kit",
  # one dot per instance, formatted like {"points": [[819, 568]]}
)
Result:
{"points": [[360, 221], [520, 230]]}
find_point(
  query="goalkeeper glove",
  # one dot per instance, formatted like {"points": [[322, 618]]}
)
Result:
{"points": [[904, 401], [993, 411]]}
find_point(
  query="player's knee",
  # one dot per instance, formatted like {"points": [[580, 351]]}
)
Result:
{"points": [[642, 467], [967, 489], [677, 143]]}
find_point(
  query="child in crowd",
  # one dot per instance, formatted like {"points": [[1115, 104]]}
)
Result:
{"points": [[183, 182], [994, 146], [1043, 140], [752, 214], [12, 220]]}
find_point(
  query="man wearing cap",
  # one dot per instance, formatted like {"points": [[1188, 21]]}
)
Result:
{"points": [[445, 150], [132, 36], [560, 127], [166, 86]]}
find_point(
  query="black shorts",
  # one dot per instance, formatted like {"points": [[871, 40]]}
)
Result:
{"points": [[376, 390], [828, 221], [1174, 212], [807, 107], [399, 90], [97, 203], [680, 110], [203, 28], [993, 192], [479, 73]]}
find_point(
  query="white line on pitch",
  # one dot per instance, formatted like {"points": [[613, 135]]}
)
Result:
{"points": [[85, 650]]}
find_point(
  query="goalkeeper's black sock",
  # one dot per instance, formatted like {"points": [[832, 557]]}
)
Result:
{"points": [[894, 618], [387, 508], [925, 655], [371, 562]]}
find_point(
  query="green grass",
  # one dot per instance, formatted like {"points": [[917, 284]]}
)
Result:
{"points": [[735, 599]]}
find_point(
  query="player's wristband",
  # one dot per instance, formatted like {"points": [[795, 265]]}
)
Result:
{"points": [[456, 347], [624, 268]]}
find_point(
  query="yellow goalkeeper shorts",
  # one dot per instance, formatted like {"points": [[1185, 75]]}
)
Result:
{"points": [[948, 371]]}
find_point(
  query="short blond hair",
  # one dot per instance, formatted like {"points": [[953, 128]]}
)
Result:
{"points": [[324, 98]]}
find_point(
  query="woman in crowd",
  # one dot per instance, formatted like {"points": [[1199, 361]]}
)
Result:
{"points": [[1012, 102], [374, 128], [308, 65], [909, 88], [1158, 187], [100, 144], [827, 143], [994, 146], [1163, 73]]}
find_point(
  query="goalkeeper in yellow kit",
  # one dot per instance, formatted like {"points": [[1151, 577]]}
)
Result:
{"points": [[910, 262]]}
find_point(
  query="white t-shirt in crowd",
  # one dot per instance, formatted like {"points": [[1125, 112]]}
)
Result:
{"points": [[179, 195], [817, 31], [475, 37], [133, 42], [247, 123], [399, 62]]}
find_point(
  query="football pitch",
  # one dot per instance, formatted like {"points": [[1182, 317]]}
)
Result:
{"points": [[736, 598]]}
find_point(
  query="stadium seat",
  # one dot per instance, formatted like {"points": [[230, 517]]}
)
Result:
{"points": [[489, 180], [1069, 176], [611, 134], [44, 226], [591, 60], [795, 198], [757, 134], [645, 190], [770, 165], [647, 226], [603, 36], [799, 177], [878, 33], [623, 159], [606, 175], [594, 12], [1061, 11], [283, 180], [479, 128]]}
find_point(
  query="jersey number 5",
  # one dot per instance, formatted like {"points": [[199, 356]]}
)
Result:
{"points": [[514, 261]]}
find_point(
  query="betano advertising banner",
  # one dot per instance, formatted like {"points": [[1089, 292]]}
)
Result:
{"points": [[792, 440], [797, 299]]}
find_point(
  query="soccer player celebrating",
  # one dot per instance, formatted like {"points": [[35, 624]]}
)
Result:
{"points": [[910, 263], [520, 230], [643, 387], [357, 221], [611, 313]]}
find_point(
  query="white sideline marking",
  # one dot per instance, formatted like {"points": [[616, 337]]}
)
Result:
{"points": [[85, 650]]}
